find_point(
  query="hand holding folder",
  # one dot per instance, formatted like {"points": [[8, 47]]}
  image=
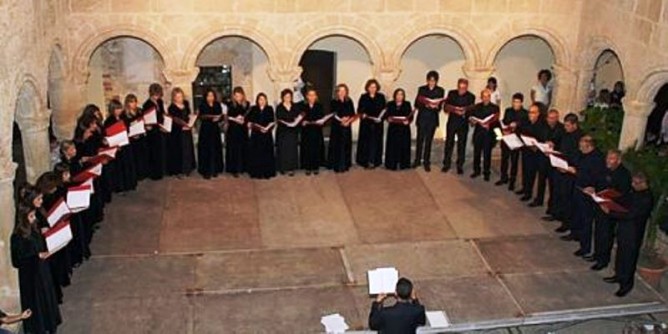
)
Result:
{"points": [[117, 135], [58, 236], [137, 128], [58, 212], [150, 117]]}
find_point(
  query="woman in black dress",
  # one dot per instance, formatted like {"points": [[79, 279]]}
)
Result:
{"points": [[236, 134], [210, 144], [35, 282], [181, 152], [121, 169], [399, 116], [155, 135], [312, 141], [261, 161], [340, 140], [139, 143], [370, 142], [287, 134]]}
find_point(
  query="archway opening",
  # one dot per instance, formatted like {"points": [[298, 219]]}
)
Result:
{"points": [[233, 61], [517, 65], [607, 72], [432, 52], [656, 131], [123, 65], [20, 178]]}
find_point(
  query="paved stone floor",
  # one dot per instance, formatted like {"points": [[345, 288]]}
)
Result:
{"points": [[241, 256]]}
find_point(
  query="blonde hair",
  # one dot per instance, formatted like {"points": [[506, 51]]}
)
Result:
{"points": [[177, 90]]}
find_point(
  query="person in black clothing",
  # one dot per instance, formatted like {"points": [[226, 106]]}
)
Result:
{"points": [[554, 132], [312, 148], [155, 135], [514, 119], [429, 102], [210, 145], [339, 155], [370, 142], [631, 227], [458, 105], [287, 134], [617, 179], [236, 134], [121, 170], [181, 153], [261, 160], [564, 182], [589, 169], [483, 136], [536, 129], [404, 317], [398, 147], [139, 143]]}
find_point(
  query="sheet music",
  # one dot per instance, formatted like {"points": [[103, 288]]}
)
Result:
{"points": [[78, 198], [437, 319], [382, 280], [137, 128], [544, 147], [119, 139], [110, 152], [558, 162], [529, 141], [482, 121], [167, 122], [58, 237], [56, 213], [512, 141], [150, 117]]}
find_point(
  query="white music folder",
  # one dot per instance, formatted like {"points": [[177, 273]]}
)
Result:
{"points": [[382, 280], [437, 319]]}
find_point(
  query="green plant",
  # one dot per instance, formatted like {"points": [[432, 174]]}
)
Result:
{"points": [[604, 125]]}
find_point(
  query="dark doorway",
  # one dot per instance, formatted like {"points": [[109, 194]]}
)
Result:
{"points": [[17, 156], [656, 117], [319, 71]]}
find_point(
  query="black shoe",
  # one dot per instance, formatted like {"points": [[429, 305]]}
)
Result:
{"points": [[427, 168], [520, 192], [308, 172], [598, 266], [500, 182], [580, 253], [611, 279], [525, 198], [486, 177], [207, 177], [460, 170], [475, 174], [568, 237], [445, 169], [561, 229], [416, 164], [623, 291], [589, 258], [291, 174], [548, 218], [316, 172], [511, 186], [535, 204]]}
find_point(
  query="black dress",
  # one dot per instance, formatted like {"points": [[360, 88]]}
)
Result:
{"points": [[139, 147], [261, 161], [35, 283], [60, 263], [370, 141], [287, 139], [156, 141], [398, 144], [210, 144], [339, 154], [181, 152], [312, 142], [121, 170], [236, 138]]}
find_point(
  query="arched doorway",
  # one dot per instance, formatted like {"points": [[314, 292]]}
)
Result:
{"points": [[606, 72], [657, 124], [120, 66], [517, 64], [233, 61], [432, 52]]}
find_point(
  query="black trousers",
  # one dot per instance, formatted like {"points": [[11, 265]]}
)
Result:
{"points": [[544, 170], [509, 159], [482, 149], [564, 185], [529, 170], [462, 132], [604, 236], [425, 136], [630, 234], [583, 223]]}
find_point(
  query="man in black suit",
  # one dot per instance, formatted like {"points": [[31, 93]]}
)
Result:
{"points": [[403, 317], [429, 102], [458, 105]]}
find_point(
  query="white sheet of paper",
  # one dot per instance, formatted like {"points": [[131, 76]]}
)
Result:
{"points": [[529, 141], [513, 141], [58, 213], [437, 319], [382, 280], [96, 170], [483, 121], [334, 323], [110, 152], [151, 117], [60, 239], [544, 147], [137, 128], [89, 182], [120, 139], [167, 123], [78, 200], [558, 162]]}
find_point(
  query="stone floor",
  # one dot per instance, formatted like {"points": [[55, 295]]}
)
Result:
{"points": [[242, 256]]}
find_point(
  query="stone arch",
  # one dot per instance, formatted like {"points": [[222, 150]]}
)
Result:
{"points": [[561, 56], [208, 36], [55, 87], [28, 105], [651, 83], [85, 51], [369, 44], [595, 47], [459, 35]]}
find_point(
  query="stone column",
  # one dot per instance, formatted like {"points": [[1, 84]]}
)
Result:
{"points": [[283, 78], [563, 96], [582, 89], [387, 77], [635, 123], [182, 79], [36, 149], [70, 101], [9, 290]]}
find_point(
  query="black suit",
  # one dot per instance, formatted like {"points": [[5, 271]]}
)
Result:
{"points": [[427, 122], [545, 171], [618, 180], [400, 318], [590, 171], [457, 125], [483, 139], [562, 208], [510, 158]]}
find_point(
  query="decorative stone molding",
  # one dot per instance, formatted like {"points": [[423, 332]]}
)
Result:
{"points": [[651, 83], [284, 75], [477, 77]]}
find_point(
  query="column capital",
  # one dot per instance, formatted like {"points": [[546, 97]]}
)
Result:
{"points": [[284, 74], [477, 72], [637, 108], [7, 171], [180, 75]]}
